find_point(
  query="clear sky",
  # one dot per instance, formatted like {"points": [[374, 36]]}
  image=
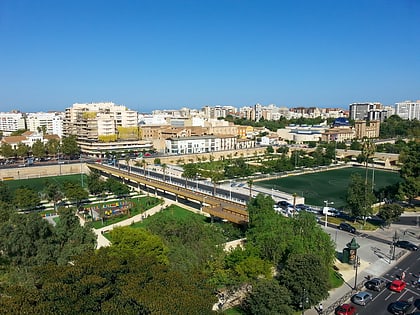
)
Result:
{"points": [[167, 54]]}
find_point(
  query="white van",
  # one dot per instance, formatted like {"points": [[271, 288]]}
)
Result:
{"points": [[330, 211]]}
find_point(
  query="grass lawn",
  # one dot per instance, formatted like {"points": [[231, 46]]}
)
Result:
{"points": [[173, 211], [329, 185], [38, 184], [139, 206]]}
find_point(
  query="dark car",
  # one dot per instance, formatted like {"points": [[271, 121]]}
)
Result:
{"points": [[284, 204], [376, 284], [347, 227], [407, 245], [399, 307]]}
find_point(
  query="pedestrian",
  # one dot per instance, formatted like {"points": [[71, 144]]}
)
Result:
{"points": [[321, 308], [403, 275]]}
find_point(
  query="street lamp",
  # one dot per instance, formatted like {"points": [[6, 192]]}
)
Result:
{"points": [[304, 301], [326, 211], [394, 241], [356, 267]]}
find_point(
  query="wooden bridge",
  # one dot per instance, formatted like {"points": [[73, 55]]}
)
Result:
{"points": [[215, 206]]}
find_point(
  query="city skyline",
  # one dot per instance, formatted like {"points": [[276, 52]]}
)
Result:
{"points": [[150, 55]]}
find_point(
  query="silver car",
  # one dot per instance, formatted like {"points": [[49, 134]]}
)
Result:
{"points": [[362, 298]]}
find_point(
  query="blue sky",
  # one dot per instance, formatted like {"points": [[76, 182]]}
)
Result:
{"points": [[164, 54]]}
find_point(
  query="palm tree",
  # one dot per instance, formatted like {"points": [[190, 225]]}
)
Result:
{"points": [[368, 149], [164, 167], [190, 171], [250, 182], [215, 177], [127, 162], [143, 163]]}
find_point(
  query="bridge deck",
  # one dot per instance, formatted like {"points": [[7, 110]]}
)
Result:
{"points": [[218, 207]]}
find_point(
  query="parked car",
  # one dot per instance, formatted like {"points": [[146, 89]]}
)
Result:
{"points": [[362, 298], [347, 227], [284, 204], [397, 285], [376, 284], [399, 307], [407, 245], [345, 309]]}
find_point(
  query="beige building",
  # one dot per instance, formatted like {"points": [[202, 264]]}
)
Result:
{"points": [[339, 134], [362, 129]]}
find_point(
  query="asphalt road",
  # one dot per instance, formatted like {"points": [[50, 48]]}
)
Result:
{"points": [[382, 300]]}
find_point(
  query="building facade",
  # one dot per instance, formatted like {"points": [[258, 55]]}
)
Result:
{"points": [[52, 123], [408, 110], [10, 122]]}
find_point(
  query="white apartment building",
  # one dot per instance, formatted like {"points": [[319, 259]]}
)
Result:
{"points": [[203, 144], [10, 122], [53, 122], [408, 110]]}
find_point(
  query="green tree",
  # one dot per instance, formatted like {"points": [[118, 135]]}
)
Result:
{"points": [[53, 193], [117, 188], [215, 178], [270, 149], [75, 193], [190, 172], [250, 182], [138, 243], [5, 193], [69, 146], [410, 171], [7, 150], [22, 151], [38, 149], [27, 240], [268, 297], [305, 272], [95, 184], [72, 238], [390, 213], [164, 167], [359, 198], [26, 198], [53, 147]]}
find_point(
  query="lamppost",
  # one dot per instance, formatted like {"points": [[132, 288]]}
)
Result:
{"points": [[356, 267], [304, 301], [394, 241], [326, 211], [81, 169]]}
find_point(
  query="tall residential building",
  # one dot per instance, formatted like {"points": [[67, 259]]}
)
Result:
{"points": [[104, 127], [360, 111], [10, 122], [408, 110], [90, 122], [51, 122]]}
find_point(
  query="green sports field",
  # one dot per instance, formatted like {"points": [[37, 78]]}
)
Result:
{"points": [[38, 184], [329, 185]]}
